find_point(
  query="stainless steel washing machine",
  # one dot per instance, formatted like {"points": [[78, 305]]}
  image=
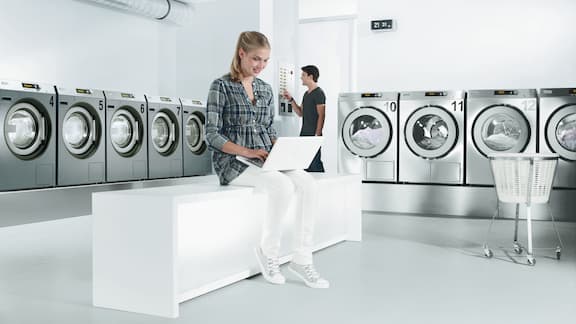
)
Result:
{"points": [[28, 127], [81, 145], [197, 158], [498, 121], [432, 141], [557, 121], [368, 135], [126, 140], [164, 137]]}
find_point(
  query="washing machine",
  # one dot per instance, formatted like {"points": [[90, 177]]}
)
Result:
{"points": [[81, 136], [126, 140], [164, 137], [28, 143], [368, 135], [196, 156], [498, 121], [557, 126], [432, 139]]}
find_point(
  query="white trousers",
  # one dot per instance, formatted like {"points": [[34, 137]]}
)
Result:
{"points": [[284, 188]]}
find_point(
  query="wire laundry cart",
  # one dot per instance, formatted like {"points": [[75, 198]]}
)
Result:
{"points": [[522, 178]]}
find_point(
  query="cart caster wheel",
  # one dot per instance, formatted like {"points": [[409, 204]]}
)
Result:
{"points": [[558, 253], [531, 260], [517, 248], [488, 253]]}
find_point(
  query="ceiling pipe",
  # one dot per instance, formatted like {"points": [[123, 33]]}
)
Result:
{"points": [[174, 11]]}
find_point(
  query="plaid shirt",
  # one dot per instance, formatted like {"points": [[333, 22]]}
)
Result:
{"points": [[232, 117]]}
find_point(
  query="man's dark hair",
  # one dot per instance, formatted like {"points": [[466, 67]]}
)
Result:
{"points": [[313, 71]]}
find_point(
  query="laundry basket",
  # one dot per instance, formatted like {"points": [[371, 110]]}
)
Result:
{"points": [[523, 178]]}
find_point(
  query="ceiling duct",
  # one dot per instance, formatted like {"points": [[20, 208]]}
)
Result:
{"points": [[174, 11]]}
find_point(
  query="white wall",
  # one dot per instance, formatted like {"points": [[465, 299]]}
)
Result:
{"points": [[74, 43], [285, 51], [326, 8], [204, 49], [453, 44]]}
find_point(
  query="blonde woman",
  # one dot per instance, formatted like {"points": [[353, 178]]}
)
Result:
{"points": [[240, 117]]}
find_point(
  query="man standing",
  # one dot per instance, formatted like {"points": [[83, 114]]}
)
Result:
{"points": [[312, 111]]}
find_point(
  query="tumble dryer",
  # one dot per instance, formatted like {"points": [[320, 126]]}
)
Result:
{"points": [[164, 137], [368, 135], [81, 139], [28, 127], [432, 145], [557, 118], [126, 140], [499, 121], [196, 156]]}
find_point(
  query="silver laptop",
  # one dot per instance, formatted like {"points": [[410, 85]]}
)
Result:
{"points": [[288, 153]]}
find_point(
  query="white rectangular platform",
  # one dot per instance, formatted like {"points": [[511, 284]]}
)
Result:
{"points": [[155, 248]]}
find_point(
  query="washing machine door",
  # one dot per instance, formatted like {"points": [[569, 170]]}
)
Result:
{"points": [[25, 130], [80, 132], [500, 129], [125, 132], [194, 133], [367, 132], [431, 132], [561, 132], [163, 133]]}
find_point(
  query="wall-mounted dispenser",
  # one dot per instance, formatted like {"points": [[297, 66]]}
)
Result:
{"points": [[286, 82]]}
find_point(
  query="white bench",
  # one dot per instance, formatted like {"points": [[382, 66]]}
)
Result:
{"points": [[155, 248]]}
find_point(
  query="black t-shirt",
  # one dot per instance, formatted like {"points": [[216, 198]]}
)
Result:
{"points": [[309, 112]]}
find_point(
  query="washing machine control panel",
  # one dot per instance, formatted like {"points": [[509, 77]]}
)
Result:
{"points": [[371, 95], [505, 92], [435, 94], [83, 91], [30, 86]]}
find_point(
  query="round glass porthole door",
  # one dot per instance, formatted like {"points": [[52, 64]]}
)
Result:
{"points": [[431, 132], [25, 130], [500, 129], [561, 132], [79, 132], [367, 132], [194, 133], [124, 132], [163, 133]]}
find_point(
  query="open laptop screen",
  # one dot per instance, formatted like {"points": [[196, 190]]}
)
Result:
{"points": [[289, 153]]}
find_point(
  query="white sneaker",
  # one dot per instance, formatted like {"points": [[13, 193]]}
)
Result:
{"points": [[270, 268], [309, 275]]}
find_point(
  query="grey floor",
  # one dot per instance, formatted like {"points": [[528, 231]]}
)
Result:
{"points": [[408, 269]]}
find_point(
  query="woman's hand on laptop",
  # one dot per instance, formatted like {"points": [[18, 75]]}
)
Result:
{"points": [[256, 154]]}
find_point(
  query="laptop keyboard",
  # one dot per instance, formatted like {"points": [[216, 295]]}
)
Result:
{"points": [[257, 162]]}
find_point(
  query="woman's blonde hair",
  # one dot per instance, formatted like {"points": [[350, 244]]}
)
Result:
{"points": [[248, 40]]}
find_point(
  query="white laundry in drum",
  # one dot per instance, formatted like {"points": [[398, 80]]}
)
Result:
{"points": [[121, 131], [74, 130], [431, 132], [368, 137], [21, 131], [501, 142], [502, 134], [566, 133]]}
